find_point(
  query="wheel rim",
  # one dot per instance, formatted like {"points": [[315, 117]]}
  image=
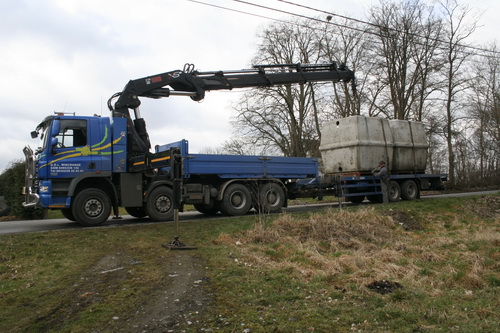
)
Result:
{"points": [[272, 198], [411, 190], [163, 204], [238, 199], [93, 207]]}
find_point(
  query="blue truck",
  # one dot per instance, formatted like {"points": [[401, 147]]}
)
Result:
{"points": [[87, 166]]}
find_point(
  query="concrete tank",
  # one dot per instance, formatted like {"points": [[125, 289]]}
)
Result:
{"points": [[410, 146], [355, 143], [358, 143]]}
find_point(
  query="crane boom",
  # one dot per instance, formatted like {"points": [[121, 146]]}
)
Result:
{"points": [[192, 83]]}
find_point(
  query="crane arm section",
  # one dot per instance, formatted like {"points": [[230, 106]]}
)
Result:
{"points": [[194, 84]]}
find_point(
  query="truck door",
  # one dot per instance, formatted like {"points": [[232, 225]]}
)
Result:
{"points": [[100, 143], [71, 155]]}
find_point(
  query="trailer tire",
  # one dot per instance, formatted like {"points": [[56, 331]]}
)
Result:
{"points": [[409, 190], [138, 212], [271, 198], [91, 207], [206, 210], [67, 213], [236, 201], [160, 204], [393, 191]]}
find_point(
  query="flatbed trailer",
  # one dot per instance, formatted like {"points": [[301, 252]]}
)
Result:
{"points": [[356, 187], [223, 182]]}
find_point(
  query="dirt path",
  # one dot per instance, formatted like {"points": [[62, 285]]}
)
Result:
{"points": [[179, 300]]}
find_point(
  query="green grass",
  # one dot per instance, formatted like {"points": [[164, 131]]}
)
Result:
{"points": [[282, 273]]}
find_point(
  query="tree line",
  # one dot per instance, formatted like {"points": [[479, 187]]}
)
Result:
{"points": [[412, 62]]}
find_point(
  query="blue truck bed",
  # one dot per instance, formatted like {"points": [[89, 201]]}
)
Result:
{"points": [[237, 166]]}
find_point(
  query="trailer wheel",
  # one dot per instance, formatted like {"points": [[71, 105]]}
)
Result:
{"points": [[206, 209], [237, 200], [271, 198], [160, 204], [91, 207], [136, 211], [394, 191], [409, 190], [67, 213]]}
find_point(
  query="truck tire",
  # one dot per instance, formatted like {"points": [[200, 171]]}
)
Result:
{"points": [[236, 201], [394, 191], [67, 213], [409, 190], [136, 211], [160, 204], [91, 207], [206, 209], [271, 198]]}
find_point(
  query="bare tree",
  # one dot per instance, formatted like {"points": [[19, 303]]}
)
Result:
{"points": [[458, 30], [408, 35], [284, 119], [344, 42], [485, 113]]}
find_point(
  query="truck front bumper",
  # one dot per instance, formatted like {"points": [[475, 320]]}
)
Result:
{"points": [[31, 199]]}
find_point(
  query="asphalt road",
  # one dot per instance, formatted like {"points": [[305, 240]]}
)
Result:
{"points": [[14, 227]]}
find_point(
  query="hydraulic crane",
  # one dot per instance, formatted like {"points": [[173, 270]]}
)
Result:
{"points": [[194, 84]]}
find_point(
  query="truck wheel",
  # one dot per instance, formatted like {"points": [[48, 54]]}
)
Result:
{"points": [[160, 204], [91, 207], [409, 190], [271, 198], [237, 200], [67, 213], [394, 191], [136, 211], [206, 210]]}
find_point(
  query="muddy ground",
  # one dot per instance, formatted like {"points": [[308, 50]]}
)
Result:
{"points": [[180, 300]]}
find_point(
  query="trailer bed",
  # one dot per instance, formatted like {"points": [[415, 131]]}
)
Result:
{"points": [[237, 166]]}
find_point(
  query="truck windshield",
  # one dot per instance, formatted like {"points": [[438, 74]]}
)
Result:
{"points": [[43, 129]]}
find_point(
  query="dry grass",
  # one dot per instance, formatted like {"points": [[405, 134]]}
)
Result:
{"points": [[364, 245]]}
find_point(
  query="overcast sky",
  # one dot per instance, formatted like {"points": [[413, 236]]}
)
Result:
{"points": [[72, 55]]}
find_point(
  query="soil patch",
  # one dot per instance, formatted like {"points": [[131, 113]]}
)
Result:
{"points": [[384, 286], [179, 301], [405, 219]]}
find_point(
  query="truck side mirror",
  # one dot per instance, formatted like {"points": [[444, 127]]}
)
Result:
{"points": [[54, 132], [53, 142], [34, 134], [56, 128]]}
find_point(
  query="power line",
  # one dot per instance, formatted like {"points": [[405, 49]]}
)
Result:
{"points": [[490, 52], [382, 27], [366, 23]]}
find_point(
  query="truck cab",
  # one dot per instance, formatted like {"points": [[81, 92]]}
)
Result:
{"points": [[71, 149]]}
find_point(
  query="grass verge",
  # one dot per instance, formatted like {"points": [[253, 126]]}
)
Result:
{"points": [[420, 266]]}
